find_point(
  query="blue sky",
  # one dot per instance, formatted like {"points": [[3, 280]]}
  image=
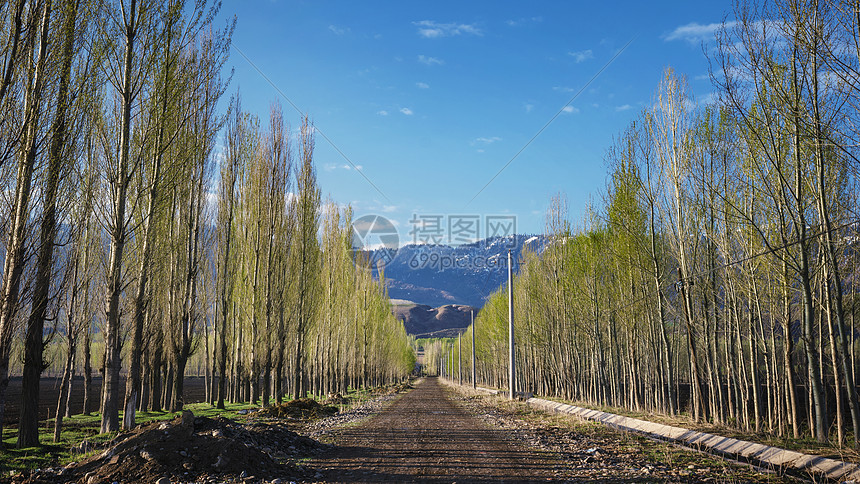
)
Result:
{"points": [[432, 98]]}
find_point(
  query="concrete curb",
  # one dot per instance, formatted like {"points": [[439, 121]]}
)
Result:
{"points": [[765, 455], [760, 454]]}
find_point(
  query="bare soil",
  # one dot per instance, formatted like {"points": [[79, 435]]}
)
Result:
{"points": [[434, 434]]}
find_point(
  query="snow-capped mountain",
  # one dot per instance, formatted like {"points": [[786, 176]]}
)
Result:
{"points": [[467, 274]]}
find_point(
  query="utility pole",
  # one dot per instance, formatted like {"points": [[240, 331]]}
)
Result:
{"points": [[474, 383], [512, 382], [459, 360]]}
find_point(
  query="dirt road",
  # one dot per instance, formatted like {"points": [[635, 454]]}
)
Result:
{"points": [[424, 436], [436, 434]]}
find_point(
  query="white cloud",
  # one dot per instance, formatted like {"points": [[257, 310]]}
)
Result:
{"points": [[389, 208], [338, 30], [430, 61], [486, 140], [382, 112], [624, 107], [562, 89], [529, 107], [582, 55], [347, 167], [570, 110], [406, 111], [422, 85], [431, 29], [695, 32], [524, 20]]}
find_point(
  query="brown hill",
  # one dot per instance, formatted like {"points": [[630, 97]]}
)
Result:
{"points": [[425, 321]]}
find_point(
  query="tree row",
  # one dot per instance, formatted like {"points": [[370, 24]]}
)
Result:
{"points": [[716, 276], [135, 241]]}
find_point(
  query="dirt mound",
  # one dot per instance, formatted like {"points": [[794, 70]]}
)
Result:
{"points": [[303, 408], [191, 449]]}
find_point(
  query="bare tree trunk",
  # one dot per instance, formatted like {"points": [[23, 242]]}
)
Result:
{"points": [[28, 423], [207, 375], [117, 230], [182, 348], [788, 343], [88, 370], [695, 381], [155, 365], [133, 381], [68, 371], [228, 187], [65, 389], [833, 282]]}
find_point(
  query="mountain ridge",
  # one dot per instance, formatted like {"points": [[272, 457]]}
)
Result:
{"points": [[422, 320]]}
